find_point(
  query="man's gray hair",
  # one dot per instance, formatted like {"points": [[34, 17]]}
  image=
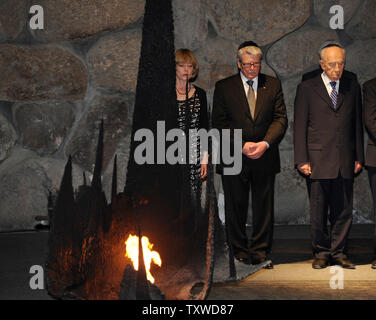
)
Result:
{"points": [[250, 50], [328, 44]]}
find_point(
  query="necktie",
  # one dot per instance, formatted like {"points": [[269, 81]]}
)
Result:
{"points": [[334, 94], [251, 98]]}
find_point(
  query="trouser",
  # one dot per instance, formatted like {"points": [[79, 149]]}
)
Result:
{"points": [[336, 194], [236, 191], [372, 182]]}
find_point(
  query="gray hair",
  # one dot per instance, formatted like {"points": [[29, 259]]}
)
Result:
{"points": [[249, 50], [328, 44]]}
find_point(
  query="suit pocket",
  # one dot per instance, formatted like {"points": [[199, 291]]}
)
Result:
{"points": [[314, 147]]}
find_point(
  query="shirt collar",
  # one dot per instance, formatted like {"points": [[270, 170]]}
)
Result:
{"points": [[244, 79], [327, 80]]}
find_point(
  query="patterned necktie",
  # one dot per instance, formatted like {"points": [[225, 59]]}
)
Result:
{"points": [[334, 94], [251, 97]]}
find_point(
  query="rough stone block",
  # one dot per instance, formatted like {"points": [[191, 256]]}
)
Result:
{"points": [[115, 110], [363, 198], [25, 183], [67, 20], [191, 24], [217, 60], [8, 137], [113, 61], [289, 91], [44, 126], [13, 17], [297, 51], [360, 60], [40, 73], [262, 21], [363, 25], [291, 198]]}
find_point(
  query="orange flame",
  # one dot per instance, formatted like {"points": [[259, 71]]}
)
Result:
{"points": [[149, 255]]}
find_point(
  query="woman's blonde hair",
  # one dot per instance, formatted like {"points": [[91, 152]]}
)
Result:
{"points": [[186, 56]]}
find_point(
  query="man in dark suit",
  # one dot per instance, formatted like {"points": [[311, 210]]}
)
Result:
{"points": [[253, 102], [328, 147], [369, 100], [310, 75]]}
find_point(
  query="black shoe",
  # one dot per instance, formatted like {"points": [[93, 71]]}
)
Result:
{"points": [[319, 263], [243, 257], [244, 260], [258, 261], [344, 263], [373, 264], [269, 265]]}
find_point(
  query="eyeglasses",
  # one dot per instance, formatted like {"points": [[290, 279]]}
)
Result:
{"points": [[248, 65], [332, 65]]}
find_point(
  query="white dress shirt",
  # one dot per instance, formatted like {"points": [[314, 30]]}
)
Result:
{"points": [[246, 86], [327, 81]]}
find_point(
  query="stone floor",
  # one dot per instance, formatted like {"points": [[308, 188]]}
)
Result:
{"points": [[294, 279], [291, 279]]}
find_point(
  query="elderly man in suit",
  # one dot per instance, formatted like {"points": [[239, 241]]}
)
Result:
{"points": [[328, 147], [369, 99], [253, 102], [310, 75]]}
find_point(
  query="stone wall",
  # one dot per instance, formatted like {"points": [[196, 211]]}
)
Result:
{"points": [[57, 84]]}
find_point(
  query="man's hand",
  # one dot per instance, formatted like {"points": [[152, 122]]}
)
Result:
{"points": [[357, 167], [204, 171], [254, 150], [305, 168]]}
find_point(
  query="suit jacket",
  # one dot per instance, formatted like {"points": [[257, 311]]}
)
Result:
{"points": [[231, 111], [369, 100], [331, 140]]}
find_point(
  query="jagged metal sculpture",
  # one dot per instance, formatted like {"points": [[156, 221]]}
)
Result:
{"points": [[86, 258]]}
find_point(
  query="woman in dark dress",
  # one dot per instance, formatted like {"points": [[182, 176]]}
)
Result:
{"points": [[192, 112]]}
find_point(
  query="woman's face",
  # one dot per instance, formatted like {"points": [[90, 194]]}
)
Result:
{"points": [[184, 71]]}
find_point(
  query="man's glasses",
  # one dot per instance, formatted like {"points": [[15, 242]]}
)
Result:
{"points": [[332, 65], [248, 65]]}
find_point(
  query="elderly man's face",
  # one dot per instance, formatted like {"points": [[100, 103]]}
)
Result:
{"points": [[250, 65], [333, 62]]}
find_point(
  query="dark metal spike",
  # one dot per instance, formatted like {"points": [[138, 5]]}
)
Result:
{"points": [[66, 186], [97, 181], [114, 179], [50, 205], [84, 177]]}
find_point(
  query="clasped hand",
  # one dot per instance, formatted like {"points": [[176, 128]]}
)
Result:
{"points": [[254, 150]]}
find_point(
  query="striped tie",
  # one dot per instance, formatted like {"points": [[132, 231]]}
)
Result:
{"points": [[334, 94]]}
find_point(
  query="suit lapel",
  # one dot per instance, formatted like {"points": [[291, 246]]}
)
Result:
{"points": [[320, 88], [343, 88], [240, 93], [261, 93]]}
